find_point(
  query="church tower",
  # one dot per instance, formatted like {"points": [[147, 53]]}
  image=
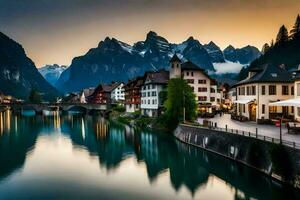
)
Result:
{"points": [[175, 67]]}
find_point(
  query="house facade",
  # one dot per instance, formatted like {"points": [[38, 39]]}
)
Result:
{"points": [[118, 93], [102, 94], [133, 94], [264, 86], [154, 84], [205, 88]]}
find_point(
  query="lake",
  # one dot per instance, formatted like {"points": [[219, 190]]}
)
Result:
{"points": [[88, 157]]}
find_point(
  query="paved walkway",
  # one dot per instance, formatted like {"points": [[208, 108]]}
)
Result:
{"points": [[266, 130]]}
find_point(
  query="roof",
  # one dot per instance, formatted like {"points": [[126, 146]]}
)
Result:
{"points": [[269, 74], [175, 58], [137, 82], [88, 92], [159, 77], [190, 66]]}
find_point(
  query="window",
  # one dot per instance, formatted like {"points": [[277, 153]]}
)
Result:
{"points": [[285, 90], [148, 101], [244, 108], [263, 90], [202, 89], [292, 90], [190, 81], [248, 90], [153, 86], [263, 109], [292, 109], [212, 90], [148, 87], [272, 109], [192, 73], [154, 93], [202, 98], [187, 73], [272, 89], [212, 99], [149, 94], [201, 81], [242, 90], [153, 101], [253, 92]]}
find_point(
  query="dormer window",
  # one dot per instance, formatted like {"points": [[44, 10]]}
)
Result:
{"points": [[274, 75]]}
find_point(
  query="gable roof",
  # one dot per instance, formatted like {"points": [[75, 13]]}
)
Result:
{"points": [[192, 66], [269, 74], [159, 77], [175, 58]]}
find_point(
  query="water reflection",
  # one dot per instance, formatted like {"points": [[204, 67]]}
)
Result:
{"points": [[181, 171]]}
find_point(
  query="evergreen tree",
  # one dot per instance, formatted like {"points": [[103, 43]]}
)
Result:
{"points": [[265, 48], [282, 35], [180, 97], [295, 31], [272, 43], [34, 97]]}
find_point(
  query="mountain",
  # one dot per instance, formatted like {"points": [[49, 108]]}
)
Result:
{"points": [[286, 53], [114, 60], [52, 72], [194, 51], [214, 52], [243, 55], [18, 74], [110, 60]]}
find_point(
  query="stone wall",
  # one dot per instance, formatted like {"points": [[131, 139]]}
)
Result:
{"points": [[255, 153]]}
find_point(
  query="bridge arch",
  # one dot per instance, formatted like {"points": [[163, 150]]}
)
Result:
{"points": [[77, 108]]}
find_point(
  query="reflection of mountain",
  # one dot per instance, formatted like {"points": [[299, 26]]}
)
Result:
{"points": [[14, 143], [112, 143]]}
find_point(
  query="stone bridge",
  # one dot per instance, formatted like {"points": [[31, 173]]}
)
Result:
{"points": [[65, 107]]}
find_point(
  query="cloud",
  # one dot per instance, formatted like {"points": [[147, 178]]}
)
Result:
{"points": [[228, 67]]}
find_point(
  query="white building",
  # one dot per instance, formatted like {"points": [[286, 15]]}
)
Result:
{"points": [[205, 88], [154, 84], [86, 93], [118, 93], [261, 88]]}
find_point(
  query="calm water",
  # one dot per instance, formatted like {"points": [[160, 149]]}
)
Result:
{"points": [[74, 157]]}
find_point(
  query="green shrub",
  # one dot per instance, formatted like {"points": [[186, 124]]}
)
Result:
{"points": [[119, 108]]}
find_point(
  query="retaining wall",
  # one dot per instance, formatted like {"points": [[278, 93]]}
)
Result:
{"points": [[252, 152]]}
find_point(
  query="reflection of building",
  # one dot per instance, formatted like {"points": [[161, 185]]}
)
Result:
{"points": [[151, 100], [133, 94], [205, 88], [101, 128], [262, 87]]}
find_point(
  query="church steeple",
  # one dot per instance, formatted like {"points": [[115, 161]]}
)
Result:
{"points": [[175, 67]]}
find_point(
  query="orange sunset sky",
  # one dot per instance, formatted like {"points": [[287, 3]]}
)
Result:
{"points": [[55, 31]]}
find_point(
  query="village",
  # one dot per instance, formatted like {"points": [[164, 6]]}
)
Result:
{"points": [[268, 99]]}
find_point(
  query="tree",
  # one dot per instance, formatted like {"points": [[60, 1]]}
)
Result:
{"points": [[265, 48], [282, 35], [272, 43], [180, 97], [34, 97], [295, 31]]}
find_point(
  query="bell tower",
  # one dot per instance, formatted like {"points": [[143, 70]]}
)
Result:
{"points": [[175, 67]]}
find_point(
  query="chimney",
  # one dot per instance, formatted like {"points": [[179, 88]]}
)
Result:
{"points": [[282, 66]]}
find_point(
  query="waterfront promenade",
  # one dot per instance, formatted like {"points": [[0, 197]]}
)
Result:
{"points": [[264, 130]]}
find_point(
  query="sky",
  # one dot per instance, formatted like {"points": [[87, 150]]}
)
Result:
{"points": [[56, 31]]}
